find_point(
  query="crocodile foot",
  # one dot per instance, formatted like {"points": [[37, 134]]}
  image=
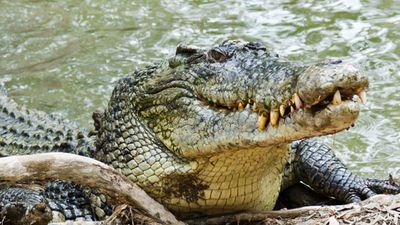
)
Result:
{"points": [[23, 206], [57, 201], [316, 165]]}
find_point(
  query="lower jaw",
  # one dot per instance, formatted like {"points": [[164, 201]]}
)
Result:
{"points": [[307, 123], [331, 119]]}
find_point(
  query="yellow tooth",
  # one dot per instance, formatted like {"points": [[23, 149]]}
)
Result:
{"points": [[241, 106], [255, 107], [262, 120], [274, 116], [291, 109], [337, 98], [297, 101], [317, 101], [282, 110], [363, 96]]}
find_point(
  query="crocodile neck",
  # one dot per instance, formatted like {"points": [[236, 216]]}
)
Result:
{"points": [[233, 181]]}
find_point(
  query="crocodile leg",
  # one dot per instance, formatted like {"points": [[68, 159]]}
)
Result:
{"points": [[56, 202], [23, 206], [74, 201], [316, 165]]}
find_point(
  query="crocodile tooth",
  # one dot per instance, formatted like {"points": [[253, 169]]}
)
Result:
{"points": [[241, 106], [282, 110], [297, 101], [255, 107], [291, 109], [337, 98], [317, 101], [363, 96], [274, 116], [262, 120]]}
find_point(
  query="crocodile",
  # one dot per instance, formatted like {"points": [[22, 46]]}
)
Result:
{"points": [[214, 131]]}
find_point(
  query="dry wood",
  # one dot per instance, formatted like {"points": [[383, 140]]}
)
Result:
{"points": [[87, 172], [380, 209]]}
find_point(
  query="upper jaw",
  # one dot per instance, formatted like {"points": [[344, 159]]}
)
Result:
{"points": [[331, 92], [321, 88], [321, 94], [320, 82]]}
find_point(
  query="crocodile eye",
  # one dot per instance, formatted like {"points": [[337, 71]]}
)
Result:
{"points": [[216, 55]]}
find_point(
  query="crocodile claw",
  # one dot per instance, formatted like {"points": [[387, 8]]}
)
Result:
{"points": [[367, 187]]}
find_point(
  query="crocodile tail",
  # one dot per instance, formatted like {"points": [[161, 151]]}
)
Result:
{"points": [[24, 131]]}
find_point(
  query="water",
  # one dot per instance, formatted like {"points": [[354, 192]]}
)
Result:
{"points": [[65, 56]]}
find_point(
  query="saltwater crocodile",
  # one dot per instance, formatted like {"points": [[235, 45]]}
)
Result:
{"points": [[213, 131]]}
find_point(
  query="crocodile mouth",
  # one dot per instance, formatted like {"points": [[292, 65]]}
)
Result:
{"points": [[331, 102], [336, 101], [339, 100]]}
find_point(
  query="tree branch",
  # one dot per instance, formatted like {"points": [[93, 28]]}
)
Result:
{"points": [[85, 171]]}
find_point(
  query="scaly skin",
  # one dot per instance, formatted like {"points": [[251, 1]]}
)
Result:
{"points": [[209, 130], [24, 131], [58, 201]]}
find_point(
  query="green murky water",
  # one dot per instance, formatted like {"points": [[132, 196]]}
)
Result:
{"points": [[65, 56]]}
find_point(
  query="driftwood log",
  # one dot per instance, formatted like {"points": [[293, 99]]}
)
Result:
{"points": [[137, 207], [87, 172]]}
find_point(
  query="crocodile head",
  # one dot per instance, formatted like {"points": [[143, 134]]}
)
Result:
{"points": [[239, 95]]}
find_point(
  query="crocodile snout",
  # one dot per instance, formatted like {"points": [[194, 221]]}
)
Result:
{"points": [[321, 82]]}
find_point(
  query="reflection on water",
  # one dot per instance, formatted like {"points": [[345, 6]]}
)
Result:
{"points": [[65, 56]]}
